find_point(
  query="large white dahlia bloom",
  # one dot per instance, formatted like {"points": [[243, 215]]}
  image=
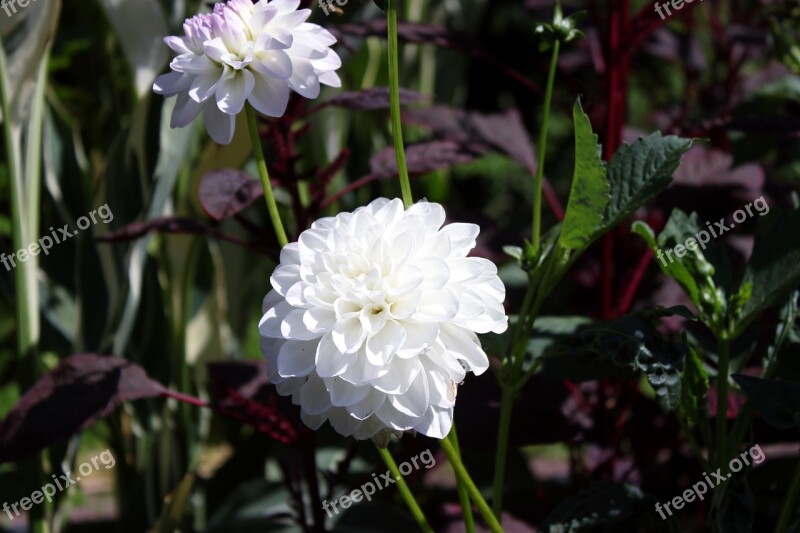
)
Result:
{"points": [[245, 52], [372, 318]]}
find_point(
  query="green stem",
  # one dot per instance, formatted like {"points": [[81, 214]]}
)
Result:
{"points": [[506, 408], [394, 99], [405, 492], [258, 151], [463, 493], [789, 506], [541, 150], [724, 344], [463, 478]]}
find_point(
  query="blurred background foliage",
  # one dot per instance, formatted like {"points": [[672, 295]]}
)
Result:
{"points": [[178, 292]]}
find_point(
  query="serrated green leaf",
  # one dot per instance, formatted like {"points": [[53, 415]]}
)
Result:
{"points": [[589, 195], [639, 171], [774, 269]]}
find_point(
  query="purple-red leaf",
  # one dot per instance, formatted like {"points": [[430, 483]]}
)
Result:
{"points": [[226, 192], [81, 390], [499, 132], [421, 158], [242, 391], [371, 99]]}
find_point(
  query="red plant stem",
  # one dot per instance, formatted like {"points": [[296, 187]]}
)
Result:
{"points": [[636, 279], [185, 398], [617, 60]]}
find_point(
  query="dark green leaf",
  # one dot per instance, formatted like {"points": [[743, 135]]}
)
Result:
{"points": [[622, 348], [639, 171], [777, 401], [618, 507], [589, 195]]}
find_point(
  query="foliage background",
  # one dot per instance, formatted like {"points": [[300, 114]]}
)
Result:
{"points": [[159, 286]]}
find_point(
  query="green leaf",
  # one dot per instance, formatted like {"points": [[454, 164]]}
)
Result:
{"points": [[674, 269], [777, 401], [640, 171], [694, 387], [589, 195], [621, 348], [774, 269], [383, 5], [732, 507]]}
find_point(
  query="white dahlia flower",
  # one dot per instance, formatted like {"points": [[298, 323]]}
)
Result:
{"points": [[245, 52], [372, 320]]}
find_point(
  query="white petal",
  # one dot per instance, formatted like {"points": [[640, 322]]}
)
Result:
{"points": [[466, 346], [296, 358], [415, 401], [330, 361], [348, 335], [343, 393], [436, 423], [382, 346], [314, 397], [273, 63], [185, 111]]}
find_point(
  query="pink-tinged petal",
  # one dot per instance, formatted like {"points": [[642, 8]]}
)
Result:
{"points": [[273, 63], [270, 96], [185, 111], [232, 93], [331, 79], [220, 126], [204, 86], [304, 80], [177, 44], [171, 83]]}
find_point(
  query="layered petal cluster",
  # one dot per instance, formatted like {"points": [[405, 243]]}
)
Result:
{"points": [[244, 52], [372, 318]]}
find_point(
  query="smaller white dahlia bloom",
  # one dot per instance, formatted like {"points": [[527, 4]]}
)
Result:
{"points": [[245, 52], [372, 318]]}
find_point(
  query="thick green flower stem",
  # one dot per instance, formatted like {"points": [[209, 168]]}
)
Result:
{"points": [[463, 493], [463, 479], [506, 408], [394, 100], [541, 150], [723, 367], [790, 505], [258, 151], [405, 492]]}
